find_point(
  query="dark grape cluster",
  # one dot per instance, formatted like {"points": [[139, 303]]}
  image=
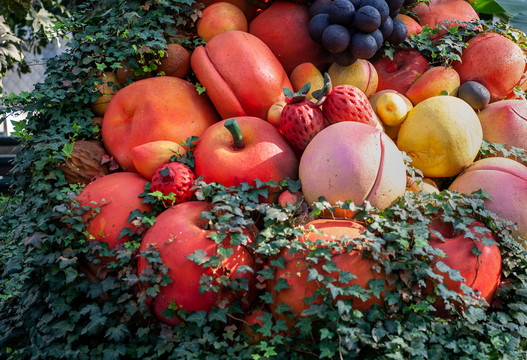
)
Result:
{"points": [[355, 29]]}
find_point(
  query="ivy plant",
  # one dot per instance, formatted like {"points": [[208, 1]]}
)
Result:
{"points": [[54, 306]]}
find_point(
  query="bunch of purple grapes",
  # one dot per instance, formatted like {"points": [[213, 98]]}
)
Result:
{"points": [[355, 29]]}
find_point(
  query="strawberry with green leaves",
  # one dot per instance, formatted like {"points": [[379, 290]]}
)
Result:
{"points": [[345, 103], [300, 119]]}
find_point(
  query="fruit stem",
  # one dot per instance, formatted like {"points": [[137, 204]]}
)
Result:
{"points": [[233, 127]]}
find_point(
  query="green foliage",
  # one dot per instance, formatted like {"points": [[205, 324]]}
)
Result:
{"points": [[54, 305], [444, 45], [508, 11]]}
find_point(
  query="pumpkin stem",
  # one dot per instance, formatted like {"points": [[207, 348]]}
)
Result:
{"points": [[233, 127]]}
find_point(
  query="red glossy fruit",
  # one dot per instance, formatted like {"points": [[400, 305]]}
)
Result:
{"points": [[255, 151], [348, 103], [300, 120]]}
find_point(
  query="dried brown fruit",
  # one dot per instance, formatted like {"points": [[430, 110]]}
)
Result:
{"points": [[85, 162]]}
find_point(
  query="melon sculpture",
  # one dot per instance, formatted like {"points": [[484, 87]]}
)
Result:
{"points": [[241, 74], [442, 135], [352, 161], [159, 108]]}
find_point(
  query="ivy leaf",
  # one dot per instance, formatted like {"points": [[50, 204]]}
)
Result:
{"points": [[117, 333], [199, 256]]}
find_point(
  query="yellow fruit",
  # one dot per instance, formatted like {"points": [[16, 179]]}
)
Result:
{"points": [[442, 135], [307, 73], [392, 109], [107, 86], [361, 74]]}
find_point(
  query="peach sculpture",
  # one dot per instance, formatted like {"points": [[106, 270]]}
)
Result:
{"points": [[159, 108], [505, 122], [502, 68], [352, 161], [505, 180]]}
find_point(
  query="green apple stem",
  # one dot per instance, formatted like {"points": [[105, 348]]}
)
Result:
{"points": [[236, 132]]}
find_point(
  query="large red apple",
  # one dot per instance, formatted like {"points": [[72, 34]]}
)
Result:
{"points": [[296, 268], [401, 72], [481, 272], [256, 151], [177, 233]]}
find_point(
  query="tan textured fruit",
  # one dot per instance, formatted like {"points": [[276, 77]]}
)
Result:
{"points": [[442, 135], [85, 162], [176, 61]]}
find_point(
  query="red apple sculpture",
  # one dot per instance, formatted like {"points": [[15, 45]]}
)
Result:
{"points": [[178, 233], [243, 149], [401, 72]]}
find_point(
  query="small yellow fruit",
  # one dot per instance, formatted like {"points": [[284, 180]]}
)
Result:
{"points": [[361, 74], [392, 109]]}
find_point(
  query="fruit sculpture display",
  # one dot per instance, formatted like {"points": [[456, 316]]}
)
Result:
{"points": [[270, 112]]}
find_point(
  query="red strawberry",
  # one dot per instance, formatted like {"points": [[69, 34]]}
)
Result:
{"points": [[176, 178], [345, 103], [300, 119]]}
